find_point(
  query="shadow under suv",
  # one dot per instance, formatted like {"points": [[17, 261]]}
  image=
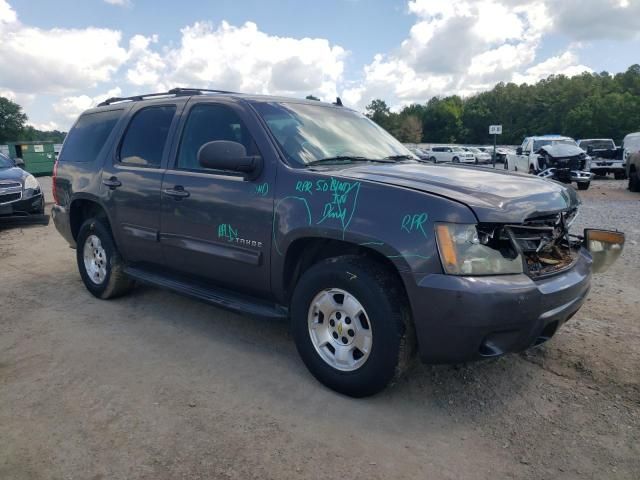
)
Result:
{"points": [[309, 211]]}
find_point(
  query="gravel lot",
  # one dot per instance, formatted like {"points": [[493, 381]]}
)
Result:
{"points": [[158, 386]]}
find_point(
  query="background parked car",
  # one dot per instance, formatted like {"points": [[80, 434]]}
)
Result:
{"points": [[631, 154], [420, 153], [605, 156], [450, 153], [479, 155], [20, 192]]}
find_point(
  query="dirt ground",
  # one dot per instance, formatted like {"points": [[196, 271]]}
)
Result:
{"points": [[157, 386]]}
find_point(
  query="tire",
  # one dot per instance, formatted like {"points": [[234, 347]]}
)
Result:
{"points": [[506, 164], [455, 160], [103, 271], [532, 171], [583, 185], [433, 159], [619, 175], [634, 181], [383, 325]]}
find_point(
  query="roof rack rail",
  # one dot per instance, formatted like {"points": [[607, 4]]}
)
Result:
{"points": [[174, 91]]}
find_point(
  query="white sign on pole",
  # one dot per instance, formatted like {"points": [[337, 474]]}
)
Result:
{"points": [[495, 129]]}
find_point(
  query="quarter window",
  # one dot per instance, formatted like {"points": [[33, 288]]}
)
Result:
{"points": [[146, 136], [88, 135], [207, 123]]}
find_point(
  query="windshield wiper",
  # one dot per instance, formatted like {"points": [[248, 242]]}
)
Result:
{"points": [[347, 159], [399, 157]]}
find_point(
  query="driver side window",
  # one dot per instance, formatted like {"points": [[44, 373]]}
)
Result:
{"points": [[206, 123]]}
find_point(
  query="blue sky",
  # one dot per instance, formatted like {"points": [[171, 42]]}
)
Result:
{"points": [[70, 54]]}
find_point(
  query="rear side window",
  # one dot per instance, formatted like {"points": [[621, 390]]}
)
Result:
{"points": [[87, 137], [146, 136]]}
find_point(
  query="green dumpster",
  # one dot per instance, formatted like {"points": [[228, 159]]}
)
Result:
{"points": [[38, 157]]}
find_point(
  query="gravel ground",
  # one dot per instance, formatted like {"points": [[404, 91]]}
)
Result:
{"points": [[157, 386]]}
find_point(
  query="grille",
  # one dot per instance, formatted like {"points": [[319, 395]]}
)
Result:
{"points": [[545, 243], [10, 197]]}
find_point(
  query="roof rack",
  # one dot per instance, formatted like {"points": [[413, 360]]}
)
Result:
{"points": [[178, 92]]}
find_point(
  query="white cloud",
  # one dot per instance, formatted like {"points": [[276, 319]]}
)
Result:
{"points": [[238, 58], [68, 108], [121, 3], [463, 47], [55, 60]]}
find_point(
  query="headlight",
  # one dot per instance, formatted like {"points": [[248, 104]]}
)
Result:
{"points": [[30, 183], [462, 253]]}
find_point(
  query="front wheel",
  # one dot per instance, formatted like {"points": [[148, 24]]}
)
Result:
{"points": [[456, 160], [583, 185], [433, 159], [634, 181], [350, 326], [506, 164], [99, 263]]}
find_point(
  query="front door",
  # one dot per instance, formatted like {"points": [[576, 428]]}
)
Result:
{"points": [[216, 226], [131, 182]]}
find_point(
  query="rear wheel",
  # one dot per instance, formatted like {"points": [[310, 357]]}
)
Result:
{"points": [[506, 164], [619, 175], [583, 185], [456, 160], [99, 263], [350, 325], [433, 159]]}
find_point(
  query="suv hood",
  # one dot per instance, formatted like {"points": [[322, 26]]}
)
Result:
{"points": [[494, 196]]}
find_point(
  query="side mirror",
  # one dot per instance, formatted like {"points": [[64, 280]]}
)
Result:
{"points": [[230, 156], [19, 163], [519, 151], [605, 247]]}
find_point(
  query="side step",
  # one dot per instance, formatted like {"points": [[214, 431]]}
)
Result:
{"points": [[213, 295]]}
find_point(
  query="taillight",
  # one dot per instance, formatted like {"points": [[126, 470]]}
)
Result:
{"points": [[53, 182]]}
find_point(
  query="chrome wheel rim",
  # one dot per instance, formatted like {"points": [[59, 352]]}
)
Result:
{"points": [[95, 259], [340, 329]]}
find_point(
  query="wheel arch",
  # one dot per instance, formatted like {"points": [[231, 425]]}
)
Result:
{"points": [[82, 208], [305, 252]]}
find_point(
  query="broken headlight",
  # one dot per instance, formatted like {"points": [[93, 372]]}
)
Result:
{"points": [[465, 251]]}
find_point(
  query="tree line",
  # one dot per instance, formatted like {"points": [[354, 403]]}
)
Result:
{"points": [[591, 105], [13, 126]]}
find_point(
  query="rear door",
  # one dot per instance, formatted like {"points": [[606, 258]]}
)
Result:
{"points": [[131, 181], [217, 226]]}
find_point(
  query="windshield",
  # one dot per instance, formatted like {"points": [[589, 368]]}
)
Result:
{"points": [[309, 133], [5, 162], [538, 144], [597, 144]]}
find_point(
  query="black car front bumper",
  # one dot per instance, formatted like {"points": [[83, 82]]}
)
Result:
{"points": [[23, 206], [458, 319]]}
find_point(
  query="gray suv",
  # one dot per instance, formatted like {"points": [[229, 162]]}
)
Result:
{"points": [[309, 211]]}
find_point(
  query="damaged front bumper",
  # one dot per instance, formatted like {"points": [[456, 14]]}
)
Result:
{"points": [[578, 176]]}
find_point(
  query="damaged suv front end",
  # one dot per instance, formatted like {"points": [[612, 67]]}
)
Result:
{"points": [[565, 163]]}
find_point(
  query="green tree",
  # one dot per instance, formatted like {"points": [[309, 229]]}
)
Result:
{"points": [[12, 120]]}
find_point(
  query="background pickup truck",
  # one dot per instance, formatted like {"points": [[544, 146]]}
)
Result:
{"points": [[605, 156]]}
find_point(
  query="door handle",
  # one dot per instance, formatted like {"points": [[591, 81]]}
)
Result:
{"points": [[112, 183], [178, 192]]}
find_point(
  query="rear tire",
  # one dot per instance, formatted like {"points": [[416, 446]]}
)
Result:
{"points": [[327, 338], [455, 160], [506, 164], [583, 185], [619, 175], [100, 265], [433, 159]]}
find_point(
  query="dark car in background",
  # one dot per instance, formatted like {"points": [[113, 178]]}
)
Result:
{"points": [[311, 212], [20, 192]]}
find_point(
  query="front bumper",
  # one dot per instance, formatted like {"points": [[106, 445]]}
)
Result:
{"points": [[607, 166], [33, 205], [458, 319], [578, 176]]}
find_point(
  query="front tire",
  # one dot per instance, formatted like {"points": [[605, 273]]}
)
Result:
{"points": [[634, 181], [99, 263], [350, 325], [433, 159], [456, 160], [583, 185]]}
